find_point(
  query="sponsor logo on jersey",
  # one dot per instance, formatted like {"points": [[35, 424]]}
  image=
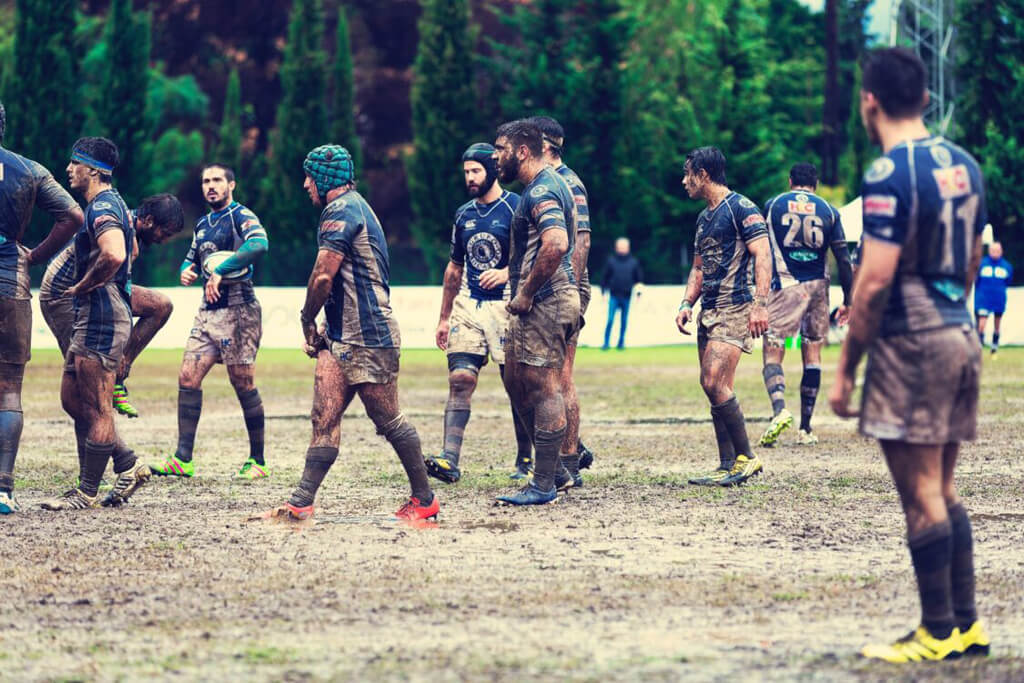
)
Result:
{"points": [[752, 219], [801, 206], [470, 224], [879, 205], [986, 271], [803, 255], [250, 224], [881, 169], [539, 191], [100, 206], [746, 203], [1001, 273], [941, 155], [953, 182]]}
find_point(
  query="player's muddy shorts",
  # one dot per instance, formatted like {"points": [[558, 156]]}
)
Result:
{"points": [[59, 315], [478, 327], [230, 334], [584, 304], [363, 365], [15, 330], [923, 387], [729, 324], [103, 323], [802, 308], [541, 336]]}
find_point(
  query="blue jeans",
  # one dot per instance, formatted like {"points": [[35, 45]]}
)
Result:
{"points": [[620, 304]]}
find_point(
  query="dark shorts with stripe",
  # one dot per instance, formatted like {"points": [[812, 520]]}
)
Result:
{"points": [[922, 387], [59, 315], [103, 323], [15, 330]]}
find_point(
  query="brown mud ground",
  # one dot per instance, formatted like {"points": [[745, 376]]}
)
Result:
{"points": [[634, 576]]}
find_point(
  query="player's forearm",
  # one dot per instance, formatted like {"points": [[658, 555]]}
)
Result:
{"points": [[246, 255], [317, 291], [868, 308], [452, 283], [579, 255], [845, 269], [549, 256], [693, 285], [64, 228], [102, 269], [762, 251]]}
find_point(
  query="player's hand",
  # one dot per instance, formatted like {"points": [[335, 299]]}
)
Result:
{"points": [[519, 305], [72, 291], [189, 275], [213, 288], [314, 342], [683, 319], [496, 277], [842, 315], [441, 334], [839, 396], [758, 320]]}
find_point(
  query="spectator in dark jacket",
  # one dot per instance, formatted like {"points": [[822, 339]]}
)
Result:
{"points": [[621, 274]]}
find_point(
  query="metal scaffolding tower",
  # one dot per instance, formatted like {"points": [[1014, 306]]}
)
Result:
{"points": [[928, 27]]}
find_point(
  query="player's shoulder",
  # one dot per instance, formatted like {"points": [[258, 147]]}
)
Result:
{"points": [[891, 171], [511, 199], [740, 203], [547, 185], [244, 213], [16, 162], [571, 177], [463, 211]]}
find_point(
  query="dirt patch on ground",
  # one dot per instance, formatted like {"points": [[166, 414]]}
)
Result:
{"points": [[636, 575]]}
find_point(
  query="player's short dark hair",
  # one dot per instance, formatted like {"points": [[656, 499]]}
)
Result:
{"points": [[708, 159], [101, 150], [897, 78], [804, 175], [3, 122], [551, 131], [229, 173], [523, 132], [165, 210]]}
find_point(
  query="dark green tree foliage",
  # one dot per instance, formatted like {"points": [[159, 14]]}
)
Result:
{"points": [[44, 112], [229, 144], [120, 108], [443, 123], [343, 111], [859, 151], [301, 125]]}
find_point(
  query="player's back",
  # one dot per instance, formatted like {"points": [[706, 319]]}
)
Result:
{"points": [[802, 227], [928, 196]]}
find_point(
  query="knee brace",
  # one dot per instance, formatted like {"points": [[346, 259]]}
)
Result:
{"points": [[10, 386], [470, 362]]}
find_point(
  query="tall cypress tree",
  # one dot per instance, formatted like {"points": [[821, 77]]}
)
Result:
{"points": [[120, 108], [301, 126], [229, 143], [44, 112], [343, 111], [443, 121]]}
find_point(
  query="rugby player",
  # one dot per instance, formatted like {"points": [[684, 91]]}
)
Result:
{"points": [[159, 218], [545, 303], [360, 352], [802, 227], [924, 211], [574, 455], [101, 295], [228, 327], [730, 232], [473, 318], [24, 185], [990, 294]]}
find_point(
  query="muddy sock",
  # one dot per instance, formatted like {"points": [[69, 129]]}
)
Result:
{"points": [[962, 570], [775, 383], [546, 445], [81, 432], [403, 438], [11, 422], [318, 461], [732, 418], [981, 338], [809, 385], [190, 405], [124, 457], [524, 447], [456, 417], [571, 462], [96, 457], [252, 410], [726, 453], [931, 551], [995, 341]]}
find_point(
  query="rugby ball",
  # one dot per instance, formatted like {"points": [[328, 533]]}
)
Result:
{"points": [[218, 257]]}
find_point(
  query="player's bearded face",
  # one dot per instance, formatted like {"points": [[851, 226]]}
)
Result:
{"points": [[508, 162], [476, 178], [216, 188]]}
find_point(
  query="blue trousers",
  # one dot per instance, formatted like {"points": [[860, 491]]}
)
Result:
{"points": [[620, 305]]}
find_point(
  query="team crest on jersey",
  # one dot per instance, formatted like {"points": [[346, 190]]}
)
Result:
{"points": [[484, 250], [881, 169], [746, 203], [879, 205], [953, 182], [802, 197], [100, 206], [941, 155], [539, 191]]}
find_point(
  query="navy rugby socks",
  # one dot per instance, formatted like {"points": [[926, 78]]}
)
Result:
{"points": [[252, 410], [318, 462], [962, 571], [190, 405], [11, 422], [931, 551], [809, 385], [775, 383]]}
